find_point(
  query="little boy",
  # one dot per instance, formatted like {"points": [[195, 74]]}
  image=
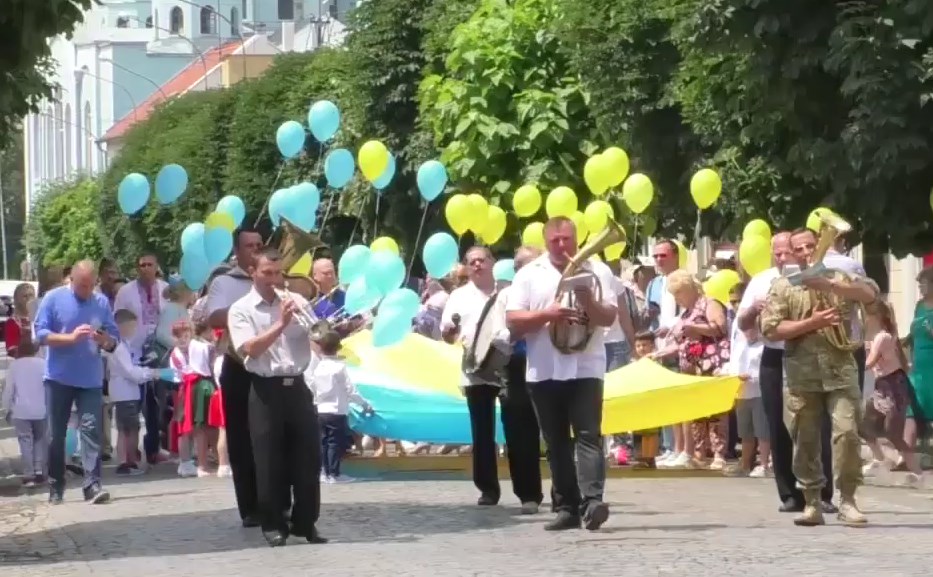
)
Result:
{"points": [[125, 378], [650, 442], [333, 393], [24, 398]]}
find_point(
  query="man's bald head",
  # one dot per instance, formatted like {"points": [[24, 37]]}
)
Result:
{"points": [[781, 252], [84, 278], [323, 273]]}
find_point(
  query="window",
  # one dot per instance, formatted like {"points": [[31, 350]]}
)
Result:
{"points": [[332, 9], [69, 143], [176, 21], [148, 21], [286, 9], [36, 146], [234, 22], [123, 22], [245, 8], [88, 139], [207, 20]]}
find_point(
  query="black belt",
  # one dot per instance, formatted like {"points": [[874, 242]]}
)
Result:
{"points": [[285, 381]]}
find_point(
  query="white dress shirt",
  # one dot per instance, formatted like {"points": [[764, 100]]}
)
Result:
{"points": [[468, 302], [745, 359], [333, 391], [290, 353], [226, 290], [534, 289], [24, 392], [758, 289], [126, 375], [128, 297]]}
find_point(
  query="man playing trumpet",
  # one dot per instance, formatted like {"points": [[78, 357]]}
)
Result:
{"points": [[820, 376]]}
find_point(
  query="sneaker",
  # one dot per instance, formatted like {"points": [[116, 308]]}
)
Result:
{"points": [[530, 508], [135, 470], [913, 480], [341, 479], [665, 461], [595, 516], [187, 469], [681, 461], [96, 495], [204, 473], [224, 471], [875, 467], [124, 469], [718, 464], [664, 457], [758, 473], [325, 478]]}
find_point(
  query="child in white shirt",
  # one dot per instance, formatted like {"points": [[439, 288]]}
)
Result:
{"points": [[24, 399], [125, 378], [333, 392], [193, 358]]}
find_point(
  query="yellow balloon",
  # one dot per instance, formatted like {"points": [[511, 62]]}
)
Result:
{"points": [[561, 202], [373, 159], [720, 284], [303, 266], [533, 235], [219, 220], [478, 212], [457, 212], [385, 243], [578, 223], [716, 293], [596, 215], [681, 254], [755, 254], [527, 200], [705, 187], [596, 258], [617, 161], [813, 220], [614, 251], [757, 227], [637, 192], [596, 174], [495, 225]]}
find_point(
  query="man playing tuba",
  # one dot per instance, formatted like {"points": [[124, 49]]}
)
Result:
{"points": [[821, 375]]}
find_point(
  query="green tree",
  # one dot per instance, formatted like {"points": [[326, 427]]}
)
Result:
{"points": [[26, 26], [63, 225], [14, 202]]}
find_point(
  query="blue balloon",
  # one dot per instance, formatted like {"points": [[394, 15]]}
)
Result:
{"points": [[133, 193], [385, 271], [218, 242], [192, 239], [324, 120], [352, 264], [432, 178], [387, 175], [280, 204], [71, 442], [302, 206], [339, 167], [194, 269], [290, 138], [402, 300], [233, 205], [390, 327], [504, 270], [171, 183], [440, 254], [360, 297]]}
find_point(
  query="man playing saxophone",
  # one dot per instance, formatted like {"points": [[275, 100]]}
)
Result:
{"points": [[820, 376]]}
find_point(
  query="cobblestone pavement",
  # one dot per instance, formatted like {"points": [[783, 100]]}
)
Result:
{"points": [[163, 526]]}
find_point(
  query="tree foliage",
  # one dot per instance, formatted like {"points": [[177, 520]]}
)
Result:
{"points": [[64, 226], [26, 26]]}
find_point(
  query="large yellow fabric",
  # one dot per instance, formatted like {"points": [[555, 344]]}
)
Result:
{"points": [[641, 395]]}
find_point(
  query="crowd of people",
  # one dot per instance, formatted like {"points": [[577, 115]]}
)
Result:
{"points": [[227, 382]]}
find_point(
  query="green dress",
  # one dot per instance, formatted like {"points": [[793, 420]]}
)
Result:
{"points": [[921, 376]]}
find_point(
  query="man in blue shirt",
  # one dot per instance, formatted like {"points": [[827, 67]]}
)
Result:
{"points": [[75, 323]]}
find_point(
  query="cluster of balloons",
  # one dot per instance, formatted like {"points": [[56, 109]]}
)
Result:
{"points": [[755, 248], [606, 170], [323, 121], [374, 277], [134, 190], [472, 212], [720, 284], [297, 203], [206, 245]]}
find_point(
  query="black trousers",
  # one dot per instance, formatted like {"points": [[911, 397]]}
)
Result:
{"points": [[859, 355], [575, 405], [771, 378], [286, 445], [235, 383], [521, 437]]}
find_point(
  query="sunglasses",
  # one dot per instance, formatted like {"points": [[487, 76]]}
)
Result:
{"points": [[146, 265]]}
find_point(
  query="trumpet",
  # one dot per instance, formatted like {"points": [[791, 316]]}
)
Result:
{"points": [[304, 318]]}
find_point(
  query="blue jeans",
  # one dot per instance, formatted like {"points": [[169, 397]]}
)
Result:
{"points": [[90, 404], [333, 442], [618, 354]]}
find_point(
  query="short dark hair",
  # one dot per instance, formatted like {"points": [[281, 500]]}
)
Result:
{"points": [[479, 247], [645, 336], [675, 248], [240, 231], [124, 316], [739, 288], [802, 230], [106, 263], [329, 342], [270, 254]]}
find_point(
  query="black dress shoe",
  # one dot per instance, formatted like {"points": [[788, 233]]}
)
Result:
{"points": [[96, 495], [56, 496], [596, 514], [487, 501], [275, 538], [791, 506], [250, 521], [315, 538], [564, 522], [829, 508]]}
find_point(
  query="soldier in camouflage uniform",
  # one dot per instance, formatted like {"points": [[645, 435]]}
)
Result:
{"points": [[820, 377]]}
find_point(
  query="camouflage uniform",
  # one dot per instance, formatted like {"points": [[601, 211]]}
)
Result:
{"points": [[819, 377]]}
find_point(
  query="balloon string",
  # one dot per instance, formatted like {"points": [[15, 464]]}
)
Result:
{"points": [[696, 231], [414, 253], [356, 225], [376, 217], [330, 203], [635, 248], [265, 205]]}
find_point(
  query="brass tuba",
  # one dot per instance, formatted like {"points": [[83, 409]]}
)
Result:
{"points": [[293, 245], [567, 337], [839, 336]]}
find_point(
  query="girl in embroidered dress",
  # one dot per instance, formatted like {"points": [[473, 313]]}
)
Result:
{"points": [[193, 358]]}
